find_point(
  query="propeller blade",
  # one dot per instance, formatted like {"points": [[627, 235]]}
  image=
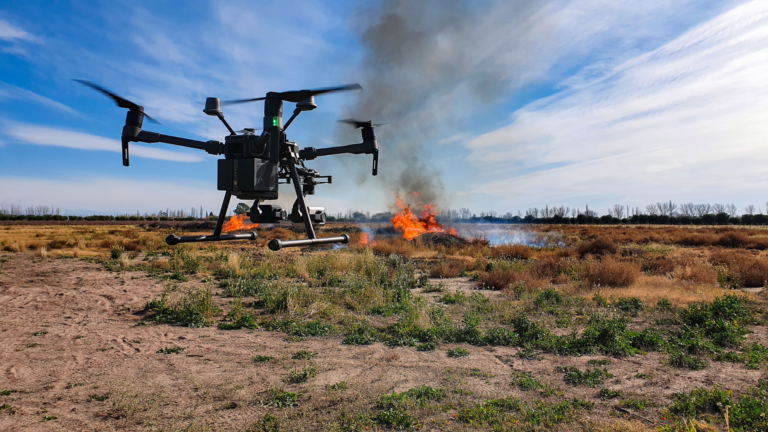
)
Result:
{"points": [[297, 96], [360, 123], [242, 131], [122, 103], [239, 101]]}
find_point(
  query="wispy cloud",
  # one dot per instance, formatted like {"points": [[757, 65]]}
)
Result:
{"points": [[8, 91], [10, 32], [38, 135], [686, 121]]}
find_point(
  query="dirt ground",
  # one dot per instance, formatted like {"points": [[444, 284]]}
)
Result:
{"points": [[72, 347]]}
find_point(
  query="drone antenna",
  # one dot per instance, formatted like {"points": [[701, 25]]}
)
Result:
{"points": [[213, 108]]}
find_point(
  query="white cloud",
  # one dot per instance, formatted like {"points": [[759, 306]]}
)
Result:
{"points": [[8, 91], [10, 32], [39, 135], [687, 121]]}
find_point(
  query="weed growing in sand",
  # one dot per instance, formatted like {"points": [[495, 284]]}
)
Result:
{"points": [[262, 359], [280, 398], [116, 251], [605, 394], [268, 424], [525, 381], [296, 376], [394, 418], [303, 355], [11, 409], [599, 362], [629, 305], [194, 309], [683, 360], [172, 350], [49, 417], [588, 377], [238, 318], [98, 398], [539, 415], [458, 352], [429, 346], [338, 386], [41, 333]]}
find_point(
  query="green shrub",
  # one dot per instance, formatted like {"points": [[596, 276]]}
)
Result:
{"points": [[268, 424], [429, 346], [548, 297], [458, 352], [262, 359], [700, 401], [589, 377], [296, 376], [605, 393], [116, 251], [525, 381], [629, 305], [303, 355], [396, 419], [280, 398], [194, 309], [683, 360], [338, 386]]}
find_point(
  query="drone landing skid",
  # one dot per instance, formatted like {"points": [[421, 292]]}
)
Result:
{"points": [[277, 244], [174, 239]]}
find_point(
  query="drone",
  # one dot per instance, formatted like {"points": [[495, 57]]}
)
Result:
{"points": [[254, 165]]}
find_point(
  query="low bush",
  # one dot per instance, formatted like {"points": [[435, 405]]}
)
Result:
{"points": [[195, 308], [296, 376], [683, 360], [458, 352], [610, 272], [497, 279], [588, 377], [514, 252], [598, 247], [280, 398]]}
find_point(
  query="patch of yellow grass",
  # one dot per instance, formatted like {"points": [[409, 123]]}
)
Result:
{"points": [[651, 289]]}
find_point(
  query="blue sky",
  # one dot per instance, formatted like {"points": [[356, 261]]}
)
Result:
{"points": [[512, 106]]}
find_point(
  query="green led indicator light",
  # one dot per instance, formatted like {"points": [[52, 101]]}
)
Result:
{"points": [[275, 121]]}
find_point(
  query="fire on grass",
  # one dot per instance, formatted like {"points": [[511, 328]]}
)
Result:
{"points": [[238, 223], [407, 223]]}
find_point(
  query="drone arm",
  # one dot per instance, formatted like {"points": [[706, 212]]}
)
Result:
{"points": [[212, 147], [367, 147]]}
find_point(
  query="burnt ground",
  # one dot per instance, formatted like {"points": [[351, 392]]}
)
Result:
{"points": [[71, 348]]}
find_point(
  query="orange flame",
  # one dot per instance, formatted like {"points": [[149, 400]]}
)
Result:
{"points": [[412, 226], [237, 223], [363, 240]]}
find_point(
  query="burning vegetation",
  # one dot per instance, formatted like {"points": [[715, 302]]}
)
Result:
{"points": [[412, 226], [238, 223]]}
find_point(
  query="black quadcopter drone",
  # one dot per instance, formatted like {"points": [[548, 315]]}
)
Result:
{"points": [[253, 165]]}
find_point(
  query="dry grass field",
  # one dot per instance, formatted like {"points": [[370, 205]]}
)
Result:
{"points": [[593, 328]]}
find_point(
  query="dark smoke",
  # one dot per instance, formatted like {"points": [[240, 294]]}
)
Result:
{"points": [[423, 69]]}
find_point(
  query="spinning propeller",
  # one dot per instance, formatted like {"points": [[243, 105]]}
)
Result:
{"points": [[357, 124], [135, 115], [122, 103], [296, 96]]}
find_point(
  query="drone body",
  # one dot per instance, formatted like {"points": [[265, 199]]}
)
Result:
{"points": [[254, 165]]}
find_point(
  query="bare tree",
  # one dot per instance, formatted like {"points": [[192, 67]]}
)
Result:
{"points": [[651, 209], [618, 211], [750, 209], [688, 209], [719, 208], [561, 211], [533, 211], [574, 212], [703, 209], [731, 210]]}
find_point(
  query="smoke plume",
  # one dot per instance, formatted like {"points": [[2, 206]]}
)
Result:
{"points": [[428, 65]]}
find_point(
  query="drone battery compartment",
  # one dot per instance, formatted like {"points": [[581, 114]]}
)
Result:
{"points": [[248, 178]]}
